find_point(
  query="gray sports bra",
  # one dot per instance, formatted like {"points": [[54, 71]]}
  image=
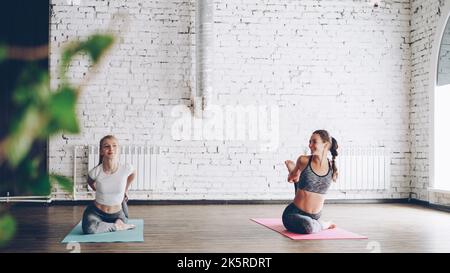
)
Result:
{"points": [[310, 181]]}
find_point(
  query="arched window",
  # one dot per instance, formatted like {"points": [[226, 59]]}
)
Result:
{"points": [[440, 167]]}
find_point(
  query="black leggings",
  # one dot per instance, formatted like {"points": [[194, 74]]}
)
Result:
{"points": [[298, 221], [97, 221]]}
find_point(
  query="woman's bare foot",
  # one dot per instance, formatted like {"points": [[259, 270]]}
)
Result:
{"points": [[328, 225], [290, 165], [120, 225]]}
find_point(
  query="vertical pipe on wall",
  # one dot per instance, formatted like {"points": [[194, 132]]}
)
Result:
{"points": [[204, 29]]}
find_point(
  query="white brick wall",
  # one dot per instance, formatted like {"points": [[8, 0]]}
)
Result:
{"points": [[339, 65], [426, 14]]}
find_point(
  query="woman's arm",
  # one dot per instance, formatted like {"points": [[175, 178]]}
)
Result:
{"points": [[129, 181], [294, 175], [91, 183]]}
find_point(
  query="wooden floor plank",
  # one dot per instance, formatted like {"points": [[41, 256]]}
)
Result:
{"points": [[227, 228]]}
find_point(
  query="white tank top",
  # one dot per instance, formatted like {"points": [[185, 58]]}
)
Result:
{"points": [[110, 188]]}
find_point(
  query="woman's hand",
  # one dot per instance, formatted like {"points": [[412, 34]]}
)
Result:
{"points": [[294, 176], [126, 196], [294, 172], [91, 184]]}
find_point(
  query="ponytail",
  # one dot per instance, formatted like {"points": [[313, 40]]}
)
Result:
{"points": [[334, 153], [326, 137]]}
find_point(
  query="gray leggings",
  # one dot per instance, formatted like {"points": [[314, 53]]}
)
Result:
{"points": [[298, 221], [97, 221]]}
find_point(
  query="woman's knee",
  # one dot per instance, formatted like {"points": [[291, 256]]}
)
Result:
{"points": [[299, 224], [311, 226], [98, 227], [89, 224], [89, 228]]}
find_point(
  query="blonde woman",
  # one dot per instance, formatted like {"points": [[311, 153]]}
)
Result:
{"points": [[110, 180]]}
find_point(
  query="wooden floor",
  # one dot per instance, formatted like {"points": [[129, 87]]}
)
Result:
{"points": [[227, 228]]}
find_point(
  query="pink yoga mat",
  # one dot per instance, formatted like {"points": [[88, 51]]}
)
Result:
{"points": [[328, 234]]}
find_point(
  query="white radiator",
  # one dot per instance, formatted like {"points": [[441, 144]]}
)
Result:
{"points": [[363, 168], [144, 160]]}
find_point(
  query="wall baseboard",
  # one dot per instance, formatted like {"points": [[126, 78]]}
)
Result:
{"points": [[238, 202], [429, 205], [247, 202]]}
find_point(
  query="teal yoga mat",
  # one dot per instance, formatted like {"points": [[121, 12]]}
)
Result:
{"points": [[132, 235]]}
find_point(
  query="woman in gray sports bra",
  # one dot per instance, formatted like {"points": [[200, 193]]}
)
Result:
{"points": [[312, 176]]}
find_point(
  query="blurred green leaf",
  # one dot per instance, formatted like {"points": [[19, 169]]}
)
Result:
{"points": [[40, 114], [41, 186], [69, 52], [34, 86], [31, 98], [3, 52], [62, 110], [22, 135], [95, 46], [32, 167], [7, 228], [64, 182]]}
